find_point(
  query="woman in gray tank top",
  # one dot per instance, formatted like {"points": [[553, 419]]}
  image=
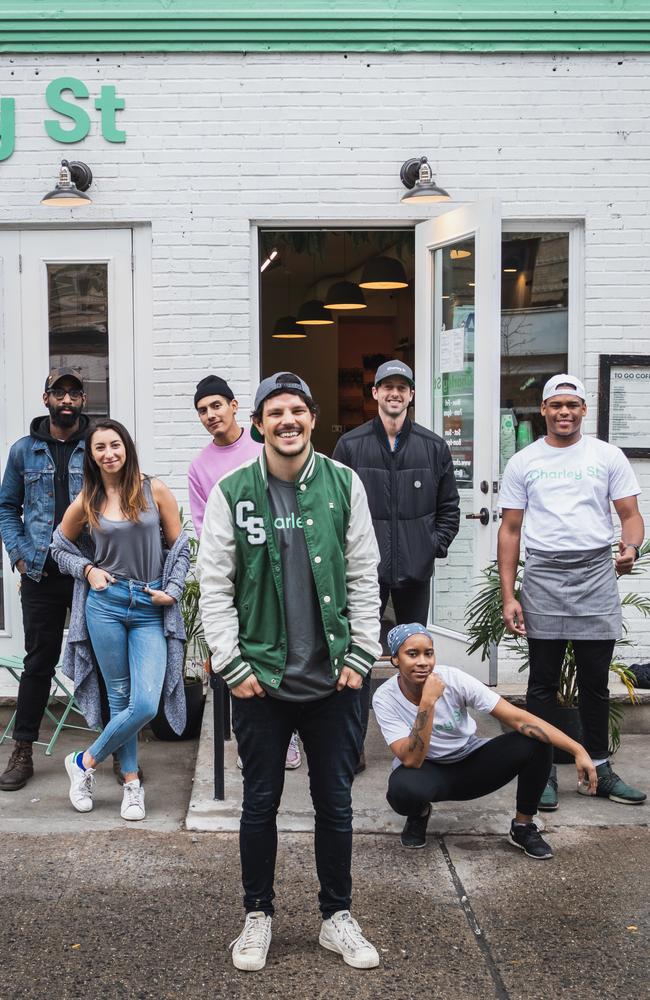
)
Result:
{"points": [[127, 515]]}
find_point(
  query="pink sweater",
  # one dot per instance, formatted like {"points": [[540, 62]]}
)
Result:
{"points": [[212, 464]]}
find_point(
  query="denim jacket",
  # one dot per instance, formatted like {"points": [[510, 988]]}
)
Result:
{"points": [[27, 500]]}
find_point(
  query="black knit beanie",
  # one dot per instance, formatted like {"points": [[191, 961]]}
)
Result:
{"points": [[212, 385]]}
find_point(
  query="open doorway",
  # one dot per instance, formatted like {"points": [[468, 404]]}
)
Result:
{"points": [[335, 304]]}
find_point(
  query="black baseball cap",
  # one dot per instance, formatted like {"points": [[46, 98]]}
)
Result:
{"points": [[58, 373]]}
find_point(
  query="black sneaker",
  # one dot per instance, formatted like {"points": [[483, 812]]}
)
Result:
{"points": [[528, 839], [414, 833]]}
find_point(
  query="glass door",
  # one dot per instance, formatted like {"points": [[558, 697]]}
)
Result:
{"points": [[457, 354]]}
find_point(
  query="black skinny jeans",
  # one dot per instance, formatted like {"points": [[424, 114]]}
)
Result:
{"points": [[330, 730], [593, 657], [490, 767], [411, 604], [44, 605]]}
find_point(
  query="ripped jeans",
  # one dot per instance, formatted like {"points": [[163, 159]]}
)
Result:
{"points": [[126, 631]]}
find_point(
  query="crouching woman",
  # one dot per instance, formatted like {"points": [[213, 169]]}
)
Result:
{"points": [[423, 716], [125, 603]]}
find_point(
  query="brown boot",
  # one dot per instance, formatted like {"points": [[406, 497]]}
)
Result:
{"points": [[19, 769]]}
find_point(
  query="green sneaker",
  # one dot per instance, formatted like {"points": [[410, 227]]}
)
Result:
{"points": [[610, 786], [548, 801]]}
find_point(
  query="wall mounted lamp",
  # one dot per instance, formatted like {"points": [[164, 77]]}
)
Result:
{"points": [[345, 295], [382, 273], [286, 328], [312, 313], [415, 174], [74, 178]]}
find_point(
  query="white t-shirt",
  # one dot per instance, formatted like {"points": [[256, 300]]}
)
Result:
{"points": [[566, 492], [452, 735]]}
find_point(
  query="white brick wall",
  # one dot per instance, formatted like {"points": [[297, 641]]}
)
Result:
{"points": [[216, 141]]}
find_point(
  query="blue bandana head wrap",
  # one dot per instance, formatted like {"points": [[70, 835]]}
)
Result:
{"points": [[398, 635]]}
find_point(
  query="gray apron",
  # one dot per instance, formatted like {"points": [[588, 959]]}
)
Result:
{"points": [[571, 595]]}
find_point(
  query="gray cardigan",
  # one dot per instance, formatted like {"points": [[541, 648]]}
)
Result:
{"points": [[78, 661]]}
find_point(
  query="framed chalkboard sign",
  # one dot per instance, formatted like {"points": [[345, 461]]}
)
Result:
{"points": [[624, 402]]}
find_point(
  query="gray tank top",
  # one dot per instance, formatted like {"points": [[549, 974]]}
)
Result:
{"points": [[131, 549]]}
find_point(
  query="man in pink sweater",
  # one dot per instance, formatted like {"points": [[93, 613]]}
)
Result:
{"points": [[230, 447]]}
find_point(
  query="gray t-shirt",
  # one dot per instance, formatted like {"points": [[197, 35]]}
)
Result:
{"points": [[308, 673]]}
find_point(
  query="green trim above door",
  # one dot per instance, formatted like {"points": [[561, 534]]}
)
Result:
{"points": [[324, 26]]}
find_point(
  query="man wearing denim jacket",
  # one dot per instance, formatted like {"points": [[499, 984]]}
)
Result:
{"points": [[42, 477]]}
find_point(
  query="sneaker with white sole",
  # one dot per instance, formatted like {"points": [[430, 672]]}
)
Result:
{"points": [[341, 933], [250, 949], [81, 783], [293, 758], [132, 801]]}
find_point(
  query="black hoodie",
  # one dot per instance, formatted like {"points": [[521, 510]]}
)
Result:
{"points": [[61, 452]]}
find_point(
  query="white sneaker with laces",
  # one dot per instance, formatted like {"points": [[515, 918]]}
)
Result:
{"points": [[81, 783], [132, 800], [341, 933], [293, 758], [250, 949]]}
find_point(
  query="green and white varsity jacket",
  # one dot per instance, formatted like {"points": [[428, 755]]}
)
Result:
{"points": [[240, 571]]}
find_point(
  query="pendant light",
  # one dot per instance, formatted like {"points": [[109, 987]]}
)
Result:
{"points": [[459, 253], [74, 179], [345, 295], [382, 273], [312, 313], [416, 175], [286, 328]]}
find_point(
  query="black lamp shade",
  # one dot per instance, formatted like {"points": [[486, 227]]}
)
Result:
{"points": [[383, 273], [312, 313], [286, 328], [345, 295], [74, 178]]}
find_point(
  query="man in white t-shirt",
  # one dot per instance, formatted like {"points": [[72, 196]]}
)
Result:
{"points": [[560, 489], [423, 716]]}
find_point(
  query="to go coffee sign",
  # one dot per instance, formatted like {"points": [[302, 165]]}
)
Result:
{"points": [[57, 97]]}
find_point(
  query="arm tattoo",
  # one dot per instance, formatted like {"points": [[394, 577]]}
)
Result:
{"points": [[416, 742], [535, 733]]}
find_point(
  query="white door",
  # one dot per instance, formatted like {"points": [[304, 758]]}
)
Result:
{"points": [[457, 358], [67, 300]]}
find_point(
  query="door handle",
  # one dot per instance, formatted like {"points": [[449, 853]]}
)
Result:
{"points": [[483, 516]]}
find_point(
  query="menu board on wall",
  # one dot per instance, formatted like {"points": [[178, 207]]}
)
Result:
{"points": [[624, 403]]}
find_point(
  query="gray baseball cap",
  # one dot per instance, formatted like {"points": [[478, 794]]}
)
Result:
{"points": [[392, 369], [282, 381]]}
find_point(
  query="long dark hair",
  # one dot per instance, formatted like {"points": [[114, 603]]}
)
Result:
{"points": [[132, 499]]}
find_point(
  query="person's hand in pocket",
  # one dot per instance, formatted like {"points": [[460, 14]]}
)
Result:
{"points": [[159, 597], [99, 579]]}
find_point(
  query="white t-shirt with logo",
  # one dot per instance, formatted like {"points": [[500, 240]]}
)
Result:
{"points": [[452, 734], [566, 492]]}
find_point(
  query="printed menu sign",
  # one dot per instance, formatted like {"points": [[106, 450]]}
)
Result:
{"points": [[458, 421], [629, 409]]}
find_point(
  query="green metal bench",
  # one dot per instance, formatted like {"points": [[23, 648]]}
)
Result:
{"points": [[63, 698]]}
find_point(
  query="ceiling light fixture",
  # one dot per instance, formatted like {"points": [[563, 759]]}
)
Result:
{"points": [[312, 313], [382, 273], [286, 328], [74, 178], [269, 260], [415, 174], [459, 253], [345, 295]]}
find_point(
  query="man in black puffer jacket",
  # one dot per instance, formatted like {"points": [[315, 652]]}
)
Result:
{"points": [[409, 478]]}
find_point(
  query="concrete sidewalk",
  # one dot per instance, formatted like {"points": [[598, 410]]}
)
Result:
{"points": [[372, 814]]}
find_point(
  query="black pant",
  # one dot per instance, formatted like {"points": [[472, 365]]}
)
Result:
{"points": [[330, 730], [490, 767], [45, 605], [593, 657], [411, 604]]}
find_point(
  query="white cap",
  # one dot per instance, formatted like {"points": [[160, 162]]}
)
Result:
{"points": [[563, 385]]}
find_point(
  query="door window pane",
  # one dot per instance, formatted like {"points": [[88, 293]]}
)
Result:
{"points": [[534, 331], [78, 327]]}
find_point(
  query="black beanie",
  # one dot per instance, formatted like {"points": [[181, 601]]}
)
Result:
{"points": [[212, 385]]}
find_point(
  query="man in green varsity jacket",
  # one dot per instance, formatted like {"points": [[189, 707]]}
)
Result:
{"points": [[290, 607]]}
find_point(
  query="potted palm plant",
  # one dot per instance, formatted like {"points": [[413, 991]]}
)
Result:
{"points": [[486, 629], [195, 654]]}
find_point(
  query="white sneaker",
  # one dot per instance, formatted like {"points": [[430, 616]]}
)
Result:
{"points": [[293, 758], [342, 934], [132, 800], [250, 949], [81, 783]]}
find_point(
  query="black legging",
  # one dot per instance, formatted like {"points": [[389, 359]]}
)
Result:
{"points": [[490, 767]]}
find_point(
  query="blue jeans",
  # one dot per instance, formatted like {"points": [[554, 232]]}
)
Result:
{"points": [[330, 729], [126, 631]]}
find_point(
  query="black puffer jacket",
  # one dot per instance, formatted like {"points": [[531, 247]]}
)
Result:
{"points": [[412, 496]]}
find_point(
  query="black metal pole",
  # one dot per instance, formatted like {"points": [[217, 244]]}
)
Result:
{"points": [[217, 685]]}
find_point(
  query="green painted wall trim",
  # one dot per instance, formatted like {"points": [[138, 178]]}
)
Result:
{"points": [[324, 26]]}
